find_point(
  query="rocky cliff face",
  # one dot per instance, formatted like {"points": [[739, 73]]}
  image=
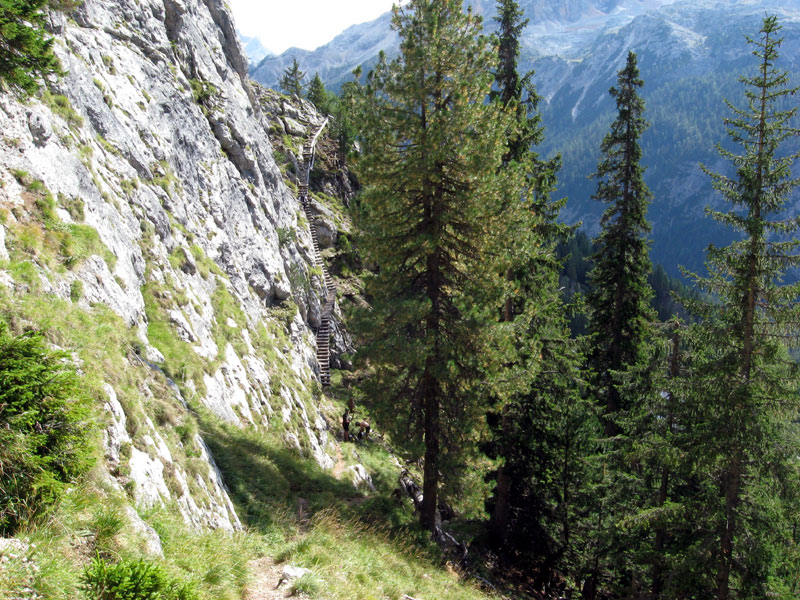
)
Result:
{"points": [[154, 147]]}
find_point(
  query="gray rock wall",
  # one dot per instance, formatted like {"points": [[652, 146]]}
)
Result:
{"points": [[161, 141]]}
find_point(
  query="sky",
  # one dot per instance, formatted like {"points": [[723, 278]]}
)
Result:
{"points": [[307, 24]]}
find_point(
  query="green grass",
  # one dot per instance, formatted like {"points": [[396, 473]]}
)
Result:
{"points": [[357, 546], [61, 106], [181, 363], [42, 236]]}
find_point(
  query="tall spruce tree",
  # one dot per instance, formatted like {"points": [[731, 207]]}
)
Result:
{"points": [[292, 80], [745, 386], [619, 319], [431, 151], [539, 365], [619, 311]]}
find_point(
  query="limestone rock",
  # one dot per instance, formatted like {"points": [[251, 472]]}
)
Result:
{"points": [[151, 540], [292, 127], [326, 232], [116, 434], [39, 127], [360, 477], [187, 203], [3, 251], [290, 573]]}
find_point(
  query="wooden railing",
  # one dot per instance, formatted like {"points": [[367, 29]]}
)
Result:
{"points": [[324, 331]]}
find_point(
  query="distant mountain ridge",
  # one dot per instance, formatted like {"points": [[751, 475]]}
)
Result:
{"points": [[691, 53], [255, 50], [360, 44]]}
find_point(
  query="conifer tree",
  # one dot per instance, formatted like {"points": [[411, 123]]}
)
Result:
{"points": [[620, 295], [292, 80], [541, 362], [619, 321], [25, 50], [432, 150], [318, 95], [745, 386]]}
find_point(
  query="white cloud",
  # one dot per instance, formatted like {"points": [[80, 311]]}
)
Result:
{"points": [[308, 24]]}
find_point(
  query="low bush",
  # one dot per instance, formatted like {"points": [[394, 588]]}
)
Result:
{"points": [[133, 580], [44, 422]]}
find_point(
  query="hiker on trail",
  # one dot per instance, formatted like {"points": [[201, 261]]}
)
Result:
{"points": [[346, 418], [364, 429]]}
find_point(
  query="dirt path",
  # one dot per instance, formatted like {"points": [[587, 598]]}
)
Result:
{"points": [[340, 464], [266, 576]]}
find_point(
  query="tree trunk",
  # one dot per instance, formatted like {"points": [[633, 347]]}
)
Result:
{"points": [[502, 496], [732, 482], [430, 484], [498, 527], [661, 533]]}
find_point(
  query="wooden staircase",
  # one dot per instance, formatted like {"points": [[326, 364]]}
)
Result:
{"points": [[324, 331]]}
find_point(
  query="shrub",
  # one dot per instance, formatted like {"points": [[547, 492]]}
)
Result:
{"points": [[133, 580], [44, 416], [76, 290], [309, 584]]}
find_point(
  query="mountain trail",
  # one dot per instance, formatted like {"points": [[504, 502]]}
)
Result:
{"points": [[267, 575], [340, 464]]}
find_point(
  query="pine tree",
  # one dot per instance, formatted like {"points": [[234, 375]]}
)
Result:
{"points": [[513, 88], [292, 80], [520, 438], [46, 426], [620, 295], [26, 52], [619, 344], [432, 148], [745, 386], [318, 95]]}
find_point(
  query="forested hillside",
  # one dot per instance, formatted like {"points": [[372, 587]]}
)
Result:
{"points": [[636, 456]]}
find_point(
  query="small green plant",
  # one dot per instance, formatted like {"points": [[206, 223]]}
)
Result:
{"points": [[86, 152], [82, 242], [129, 185], [133, 580], [107, 521], [203, 91], [109, 63], [309, 584], [205, 265], [22, 177], [107, 146], [286, 235], [74, 206], [76, 290], [61, 106], [168, 180]]}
